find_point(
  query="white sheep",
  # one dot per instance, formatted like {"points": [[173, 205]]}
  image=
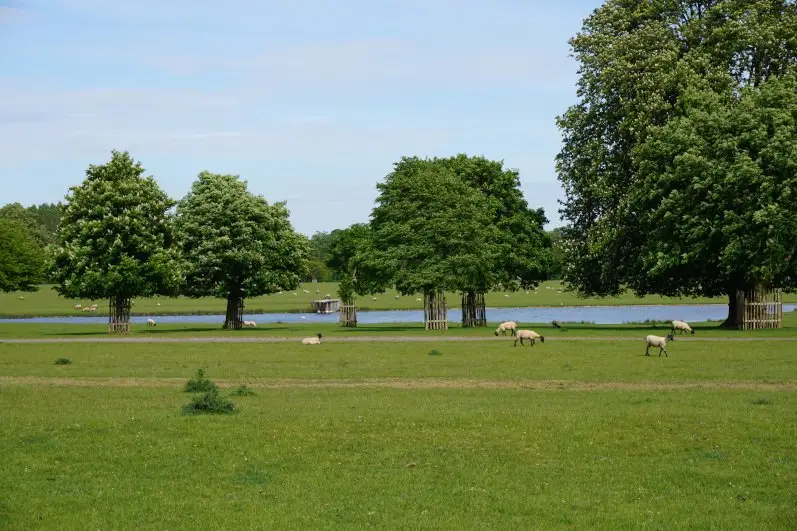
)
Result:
{"points": [[151, 322], [87, 309], [312, 340], [250, 324], [77, 307], [21, 298], [511, 326], [531, 335], [657, 341], [681, 326]]}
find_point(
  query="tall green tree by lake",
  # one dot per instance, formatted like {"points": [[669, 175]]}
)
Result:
{"points": [[234, 244], [115, 239], [677, 159]]}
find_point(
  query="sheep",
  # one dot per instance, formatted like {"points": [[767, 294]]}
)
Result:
{"points": [[21, 298], [77, 307], [508, 325], [87, 309], [531, 335], [312, 340], [151, 323], [657, 341], [681, 326], [250, 324]]}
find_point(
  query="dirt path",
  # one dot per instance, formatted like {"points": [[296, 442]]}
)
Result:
{"points": [[419, 383], [382, 339]]}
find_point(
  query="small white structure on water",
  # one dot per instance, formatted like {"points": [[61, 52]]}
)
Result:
{"points": [[326, 305]]}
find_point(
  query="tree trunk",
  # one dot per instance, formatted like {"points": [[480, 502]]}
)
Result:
{"points": [[474, 312], [235, 310], [119, 315], [732, 321], [348, 313], [434, 310]]}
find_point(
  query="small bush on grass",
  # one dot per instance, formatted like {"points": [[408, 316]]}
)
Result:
{"points": [[63, 361], [434, 352], [210, 403], [199, 384], [243, 390], [762, 402]]}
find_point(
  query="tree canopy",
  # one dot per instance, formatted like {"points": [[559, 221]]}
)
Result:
{"points": [[347, 249], [21, 259], [235, 244], [430, 230], [115, 237], [650, 146]]}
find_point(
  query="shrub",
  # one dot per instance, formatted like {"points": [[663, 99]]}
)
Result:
{"points": [[199, 384], [435, 352], [243, 390], [210, 403], [63, 361]]}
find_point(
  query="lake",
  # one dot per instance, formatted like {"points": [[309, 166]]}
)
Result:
{"points": [[595, 314]]}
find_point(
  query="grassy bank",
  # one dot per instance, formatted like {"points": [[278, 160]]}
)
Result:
{"points": [[46, 302], [474, 436]]}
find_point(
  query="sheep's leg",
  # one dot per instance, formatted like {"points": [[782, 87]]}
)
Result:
{"points": [[515, 344], [532, 341], [647, 350]]}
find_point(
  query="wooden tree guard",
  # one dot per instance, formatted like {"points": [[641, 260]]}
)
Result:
{"points": [[474, 311], [434, 310], [119, 315], [759, 308], [233, 320], [348, 313]]}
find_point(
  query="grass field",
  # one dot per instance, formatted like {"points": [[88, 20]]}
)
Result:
{"points": [[413, 435], [46, 302]]}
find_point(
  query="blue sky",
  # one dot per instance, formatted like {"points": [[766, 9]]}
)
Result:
{"points": [[310, 101]]}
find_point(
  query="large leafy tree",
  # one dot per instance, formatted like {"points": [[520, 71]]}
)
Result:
{"points": [[115, 239], [21, 259], [517, 235], [234, 244], [640, 63], [15, 211], [431, 232], [516, 251]]}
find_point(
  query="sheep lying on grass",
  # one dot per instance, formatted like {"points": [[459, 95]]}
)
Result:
{"points": [[250, 324], [510, 326], [531, 335], [681, 326], [312, 340], [151, 322], [657, 341]]}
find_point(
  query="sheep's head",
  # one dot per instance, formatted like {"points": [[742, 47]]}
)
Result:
{"points": [[319, 335], [496, 332], [670, 337], [693, 331], [542, 339]]}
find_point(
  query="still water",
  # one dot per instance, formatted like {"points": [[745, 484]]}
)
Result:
{"points": [[594, 314]]}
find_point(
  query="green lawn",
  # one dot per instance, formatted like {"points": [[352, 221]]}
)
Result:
{"points": [[46, 302], [564, 435]]}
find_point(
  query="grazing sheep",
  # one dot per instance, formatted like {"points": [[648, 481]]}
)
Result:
{"points": [[87, 309], [508, 325], [312, 340], [151, 322], [531, 335], [21, 298], [657, 341], [681, 326], [77, 307], [418, 300]]}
